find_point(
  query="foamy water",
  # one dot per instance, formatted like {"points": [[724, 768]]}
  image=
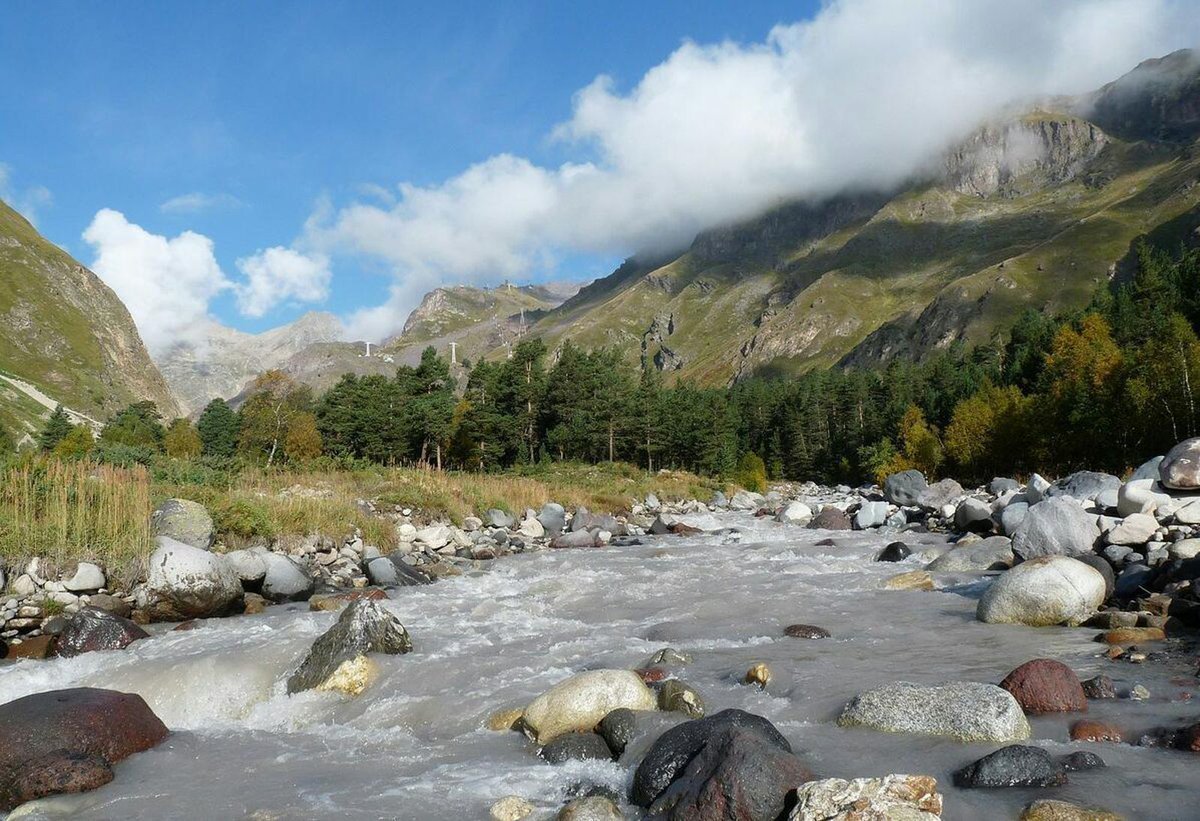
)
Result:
{"points": [[413, 747]]}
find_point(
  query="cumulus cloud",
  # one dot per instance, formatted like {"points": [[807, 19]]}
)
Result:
{"points": [[862, 96], [167, 284], [198, 201], [26, 201], [279, 275]]}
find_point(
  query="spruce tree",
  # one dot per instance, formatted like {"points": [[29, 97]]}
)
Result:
{"points": [[219, 428], [57, 427]]}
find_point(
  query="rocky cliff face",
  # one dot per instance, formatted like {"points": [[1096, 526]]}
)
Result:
{"points": [[64, 332], [1036, 210]]}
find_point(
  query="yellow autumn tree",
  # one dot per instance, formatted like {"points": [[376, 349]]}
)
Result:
{"points": [[919, 446], [182, 441], [302, 440], [988, 431]]}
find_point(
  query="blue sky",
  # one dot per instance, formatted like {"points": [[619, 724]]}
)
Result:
{"points": [[266, 107], [246, 162]]}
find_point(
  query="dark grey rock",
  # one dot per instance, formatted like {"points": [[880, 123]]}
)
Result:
{"points": [[95, 629], [365, 626], [894, 552], [617, 729], [1015, 766], [1085, 485], [1080, 761], [904, 488], [576, 747]]}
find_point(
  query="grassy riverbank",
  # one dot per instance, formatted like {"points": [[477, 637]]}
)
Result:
{"points": [[66, 511]]}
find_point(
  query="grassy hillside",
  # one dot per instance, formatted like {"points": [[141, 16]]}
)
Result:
{"points": [[65, 332]]}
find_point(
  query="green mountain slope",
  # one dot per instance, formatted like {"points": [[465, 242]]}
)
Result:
{"points": [[1032, 211], [64, 333]]}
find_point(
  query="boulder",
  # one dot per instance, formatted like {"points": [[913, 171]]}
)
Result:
{"points": [[1140, 496], [112, 604], [967, 711], [617, 728], [899, 797], [495, 517], [1015, 766], [1085, 485], [830, 518], [871, 514], [576, 747], [285, 580], [1137, 528], [434, 537], [392, 571], [61, 740], [1001, 485], [365, 626], [1188, 513], [973, 516], [904, 489], [1046, 809], [1133, 580], [184, 521], [674, 696], [553, 517], [1184, 549], [531, 527], [732, 765], [1056, 527], [87, 577], [580, 702], [576, 538], [939, 494], [95, 629], [894, 552], [993, 553], [1180, 468], [746, 500], [1036, 489], [795, 513], [1101, 565], [249, 565], [189, 583], [1042, 592], [1012, 516], [591, 808], [1046, 686]]}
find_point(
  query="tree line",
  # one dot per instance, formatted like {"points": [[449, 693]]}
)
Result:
{"points": [[1103, 387]]}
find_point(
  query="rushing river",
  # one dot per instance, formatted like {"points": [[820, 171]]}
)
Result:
{"points": [[413, 746]]}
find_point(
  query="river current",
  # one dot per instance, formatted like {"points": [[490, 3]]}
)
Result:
{"points": [[413, 746]]}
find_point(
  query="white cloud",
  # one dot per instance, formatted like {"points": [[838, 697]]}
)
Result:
{"points": [[26, 201], [277, 275], [197, 201], [167, 284], [863, 95]]}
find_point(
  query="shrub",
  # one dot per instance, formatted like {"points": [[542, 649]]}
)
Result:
{"points": [[243, 519], [752, 473]]}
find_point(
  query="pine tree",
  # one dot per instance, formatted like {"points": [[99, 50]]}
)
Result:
{"points": [[137, 426], [218, 428], [57, 426]]}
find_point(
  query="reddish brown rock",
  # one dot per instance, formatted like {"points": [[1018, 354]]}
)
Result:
{"points": [[60, 772], [681, 529], [43, 729], [1046, 686], [1131, 635], [38, 647], [1087, 729]]}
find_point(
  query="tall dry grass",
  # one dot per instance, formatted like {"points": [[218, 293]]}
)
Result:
{"points": [[65, 511]]}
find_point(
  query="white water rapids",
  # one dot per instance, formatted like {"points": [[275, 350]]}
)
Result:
{"points": [[413, 746]]}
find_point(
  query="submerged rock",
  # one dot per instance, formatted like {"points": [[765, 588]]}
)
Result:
{"points": [[95, 629], [967, 711], [617, 728], [365, 626], [732, 765], [894, 552], [580, 702], [576, 747], [899, 797], [511, 808], [806, 631], [1015, 766], [62, 740], [1047, 809], [1046, 686], [1041, 592]]}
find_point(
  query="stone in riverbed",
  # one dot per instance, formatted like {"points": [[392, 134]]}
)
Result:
{"points": [[1180, 468], [1131, 635], [1047, 809], [1056, 527], [897, 797], [1085, 485], [870, 515], [1140, 496], [553, 518], [591, 808], [511, 808], [973, 515], [967, 711], [62, 733], [1099, 687], [94, 629], [184, 521], [186, 582], [1015, 766], [992, 553], [503, 720], [580, 702], [575, 538], [87, 577], [285, 580], [576, 747], [912, 580], [1046, 591], [1137, 528], [904, 489], [1046, 686], [364, 627], [894, 552], [617, 729], [1087, 729], [330, 602], [796, 513], [940, 494], [830, 518], [805, 631], [248, 564], [674, 696], [730, 765]]}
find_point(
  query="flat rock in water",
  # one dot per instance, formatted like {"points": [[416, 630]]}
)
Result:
{"points": [[95, 629], [365, 626], [967, 711], [57, 740], [898, 797], [1015, 766]]}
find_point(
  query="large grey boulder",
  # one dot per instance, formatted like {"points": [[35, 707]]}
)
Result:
{"points": [[973, 515], [1044, 591], [1137, 528], [871, 514], [1180, 468], [187, 582], [904, 488], [1011, 517], [94, 629], [940, 494], [964, 710], [496, 517], [578, 703], [1141, 496], [285, 580], [1086, 485], [1147, 470], [746, 500], [184, 521], [1056, 527], [796, 513], [994, 553], [553, 517], [86, 577], [250, 565], [365, 626], [392, 571], [1036, 489]]}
